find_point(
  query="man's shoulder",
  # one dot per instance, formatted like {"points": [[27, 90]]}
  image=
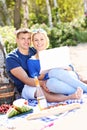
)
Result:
{"points": [[32, 50], [12, 53], [15, 53]]}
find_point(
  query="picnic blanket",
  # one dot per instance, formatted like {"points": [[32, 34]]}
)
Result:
{"points": [[49, 122]]}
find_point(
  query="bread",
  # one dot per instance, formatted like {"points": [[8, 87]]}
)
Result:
{"points": [[53, 111]]}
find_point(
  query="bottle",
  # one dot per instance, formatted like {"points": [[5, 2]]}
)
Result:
{"points": [[42, 103]]}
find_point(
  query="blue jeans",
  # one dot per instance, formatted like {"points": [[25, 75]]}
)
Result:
{"points": [[64, 82]]}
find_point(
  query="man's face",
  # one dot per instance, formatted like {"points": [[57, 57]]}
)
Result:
{"points": [[24, 40]]}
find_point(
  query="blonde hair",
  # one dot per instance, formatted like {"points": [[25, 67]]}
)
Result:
{"points": [[40, 31]]}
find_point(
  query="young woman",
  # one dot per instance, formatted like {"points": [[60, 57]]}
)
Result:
{"points": [[58, 81], [16, 65]]}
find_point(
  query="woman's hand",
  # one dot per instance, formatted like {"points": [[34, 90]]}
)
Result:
{"points": [[41, 76], [43, 85]]}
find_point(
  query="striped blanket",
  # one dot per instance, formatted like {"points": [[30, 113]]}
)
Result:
{"points": [[44, 122]]}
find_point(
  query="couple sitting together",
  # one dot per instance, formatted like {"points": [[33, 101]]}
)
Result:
{"points": [[22, 65]]}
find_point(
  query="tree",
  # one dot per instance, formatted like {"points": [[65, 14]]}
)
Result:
{"points": [[49, 13], [85, 7], [56, 11], [4, 15], [17, 15], [25, 13], [70, 10], [29, 12]]}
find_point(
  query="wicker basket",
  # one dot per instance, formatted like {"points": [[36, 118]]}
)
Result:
{"points": [[6, 85], [6, 93]]}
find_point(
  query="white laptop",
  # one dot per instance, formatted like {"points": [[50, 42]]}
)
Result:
{"points": [[54, 58]]}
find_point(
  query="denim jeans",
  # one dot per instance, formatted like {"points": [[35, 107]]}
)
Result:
{"points": [[64, 82]]}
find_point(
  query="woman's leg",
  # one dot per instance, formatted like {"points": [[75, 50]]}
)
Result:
{"points": [[29, 93], [53, 97], [56, 86], [67, 77]]}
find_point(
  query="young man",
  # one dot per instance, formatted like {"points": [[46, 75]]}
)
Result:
{"points": [[16, 65]]}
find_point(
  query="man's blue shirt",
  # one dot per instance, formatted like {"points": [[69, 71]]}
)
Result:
{"points": [[16, 59]]}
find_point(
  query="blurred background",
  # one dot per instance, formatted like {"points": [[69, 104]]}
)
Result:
{"points": [[64, 20]]}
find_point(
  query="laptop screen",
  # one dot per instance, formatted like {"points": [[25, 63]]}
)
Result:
{"points": [[54, 58]]}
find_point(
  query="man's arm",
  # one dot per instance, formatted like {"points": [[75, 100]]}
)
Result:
{"points": [[19, 73]]}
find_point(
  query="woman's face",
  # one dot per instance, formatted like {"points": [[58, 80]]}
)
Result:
{"points": [[39, 41]]}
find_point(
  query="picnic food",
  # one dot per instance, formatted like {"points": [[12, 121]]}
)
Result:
{"points": [[4, 108], [19, 106], [12, 112], [53, 111]]}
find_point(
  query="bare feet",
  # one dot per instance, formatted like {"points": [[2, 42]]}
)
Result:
{"points": [[84, 81], [78, 94]]}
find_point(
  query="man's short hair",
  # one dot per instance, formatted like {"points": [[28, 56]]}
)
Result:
{"points": [[22, 30]]}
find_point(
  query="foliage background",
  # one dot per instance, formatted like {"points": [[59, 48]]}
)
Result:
{"points": [[68, 19]]}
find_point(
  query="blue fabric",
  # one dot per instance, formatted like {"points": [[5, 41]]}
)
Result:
{"points": [[59, 80], [34, 102], [74, 70], [34, 68], [16, 59], [65, 82]]}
